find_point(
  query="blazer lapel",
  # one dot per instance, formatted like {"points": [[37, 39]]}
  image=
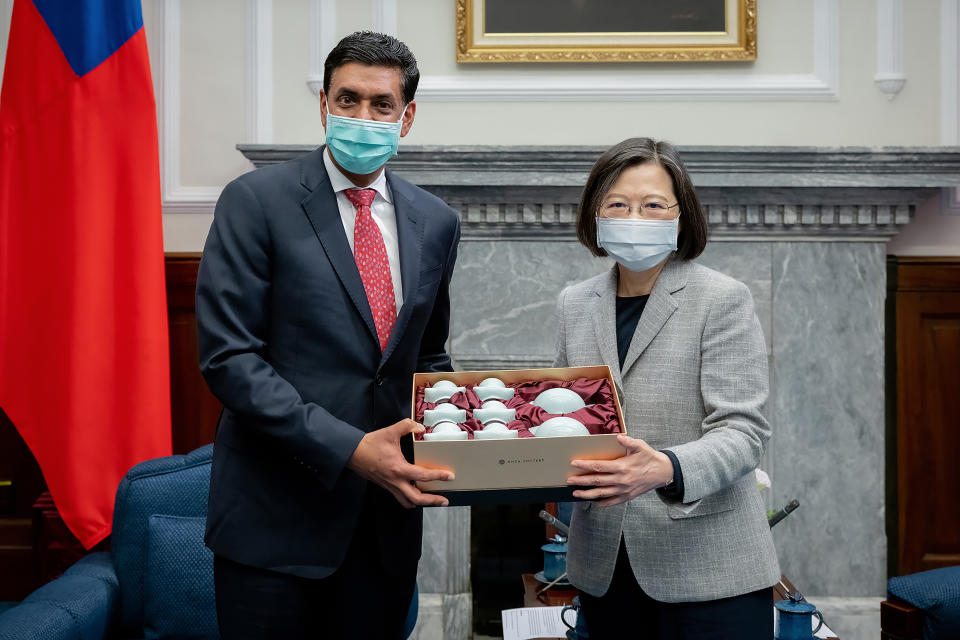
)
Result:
{"points": [[660, 306], [410, 238], [605, 325], [324, 215]]}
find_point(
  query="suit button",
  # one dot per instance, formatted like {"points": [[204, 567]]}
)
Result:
{"points": [[379, 380]]}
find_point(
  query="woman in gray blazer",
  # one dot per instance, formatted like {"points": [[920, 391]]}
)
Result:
{"points": [[675, 542]]}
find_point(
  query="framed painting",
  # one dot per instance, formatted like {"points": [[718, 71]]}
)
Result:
{"points": [[606, 30]]}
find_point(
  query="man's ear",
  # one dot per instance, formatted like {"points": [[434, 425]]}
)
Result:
{"points": [[408, 116], [323, 109]]}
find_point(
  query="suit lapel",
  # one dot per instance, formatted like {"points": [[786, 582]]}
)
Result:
{"points": [[324, 215], [410, 238], [605, 325], [660, 306]]}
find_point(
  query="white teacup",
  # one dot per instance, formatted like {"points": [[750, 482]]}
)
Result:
{"points": [[559, 400], [495, 431], [446, 430], [559, 427], [441, 391], [491, 388], [494, 410], [443, 412]]}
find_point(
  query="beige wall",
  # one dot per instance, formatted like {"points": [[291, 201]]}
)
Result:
{"points": [[203, 52]]}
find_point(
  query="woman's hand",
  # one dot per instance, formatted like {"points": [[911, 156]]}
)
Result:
{"points": [[623, 479]]}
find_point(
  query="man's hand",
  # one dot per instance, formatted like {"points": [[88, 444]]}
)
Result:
{"points": [[623, 479], [378, 459]]}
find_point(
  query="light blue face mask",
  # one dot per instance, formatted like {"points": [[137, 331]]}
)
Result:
{"points": [[637, 244], [362, 146]]}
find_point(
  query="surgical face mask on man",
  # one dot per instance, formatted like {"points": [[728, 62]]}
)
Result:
{"points": [[362, 146], [635, 243]]}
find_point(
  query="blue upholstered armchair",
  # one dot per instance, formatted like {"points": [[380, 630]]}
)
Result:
{"points": [[157, 579]]}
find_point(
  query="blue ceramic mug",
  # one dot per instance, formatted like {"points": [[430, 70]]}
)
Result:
{"points": [[578, 630], [555, 558], [795, 619]]}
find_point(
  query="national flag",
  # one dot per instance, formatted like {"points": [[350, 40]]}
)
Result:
{"points": [[84, 356]]}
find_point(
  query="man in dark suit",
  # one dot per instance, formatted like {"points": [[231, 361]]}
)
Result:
{"points": [[323, 288]]}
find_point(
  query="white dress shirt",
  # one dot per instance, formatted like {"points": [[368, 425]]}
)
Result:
{"points": [[383, 214]]}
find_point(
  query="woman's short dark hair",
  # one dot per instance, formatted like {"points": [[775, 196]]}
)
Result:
{"points": [[377, 50], [629, 153]]}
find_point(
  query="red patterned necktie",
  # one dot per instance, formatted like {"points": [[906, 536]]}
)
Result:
{"points": [[371, 255]]}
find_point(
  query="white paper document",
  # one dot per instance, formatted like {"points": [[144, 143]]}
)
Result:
{"points": [[534, 622]]}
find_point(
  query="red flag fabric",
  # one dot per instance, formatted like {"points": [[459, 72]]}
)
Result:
{"points": [[84, 356]]}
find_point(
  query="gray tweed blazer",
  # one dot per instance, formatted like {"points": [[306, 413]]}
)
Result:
{"points": [[694, 381]]}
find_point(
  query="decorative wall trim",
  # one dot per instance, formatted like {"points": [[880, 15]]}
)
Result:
{"points": [[260, 70], [822, 84], [890, 77], [748, 193], [950, 202], [178, 198], [323, 37], [711, 166], [495, 362], [787, 222], [383, 16], [950, 72]]}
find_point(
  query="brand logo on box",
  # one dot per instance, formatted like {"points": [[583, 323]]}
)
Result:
{"points": [[520, 460]]}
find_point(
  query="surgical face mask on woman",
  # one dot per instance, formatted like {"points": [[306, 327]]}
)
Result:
{"points": [[637, 244], [362, 146]]}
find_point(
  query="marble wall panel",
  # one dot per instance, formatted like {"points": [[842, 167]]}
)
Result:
{"points": [[504, 293], [748, 262], [445, 557], [828, 415]]}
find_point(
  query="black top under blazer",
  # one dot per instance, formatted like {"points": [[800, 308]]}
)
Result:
{"points": [[287, 343]]}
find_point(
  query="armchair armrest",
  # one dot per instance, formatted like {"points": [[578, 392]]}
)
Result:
{"points": [[83, 603]]}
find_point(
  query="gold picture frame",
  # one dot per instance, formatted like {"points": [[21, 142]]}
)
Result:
{"points": [[730, 34]]}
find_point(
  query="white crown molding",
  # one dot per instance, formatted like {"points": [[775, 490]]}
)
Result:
{"points": [[323, 37], [259, 70], [949, 72], [822, 84], [383, 16], [890, 77]]}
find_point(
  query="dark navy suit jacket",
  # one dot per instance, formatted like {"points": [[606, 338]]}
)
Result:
{"points": [[287, 343]]}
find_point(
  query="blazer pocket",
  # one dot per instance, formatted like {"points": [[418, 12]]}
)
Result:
{"points": [[705, 508]]}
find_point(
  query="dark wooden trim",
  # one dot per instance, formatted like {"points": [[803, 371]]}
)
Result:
{"points": [[194, 409], [900, 620], [927, 273], [923, 411]]}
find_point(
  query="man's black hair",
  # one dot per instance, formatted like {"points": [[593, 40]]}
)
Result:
{"points": [[378, 50]]}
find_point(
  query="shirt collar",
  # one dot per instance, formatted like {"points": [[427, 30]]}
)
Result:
{"points": [[340, 182]]}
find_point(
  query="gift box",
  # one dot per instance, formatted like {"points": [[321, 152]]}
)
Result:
{"points": [[524, 468]]}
